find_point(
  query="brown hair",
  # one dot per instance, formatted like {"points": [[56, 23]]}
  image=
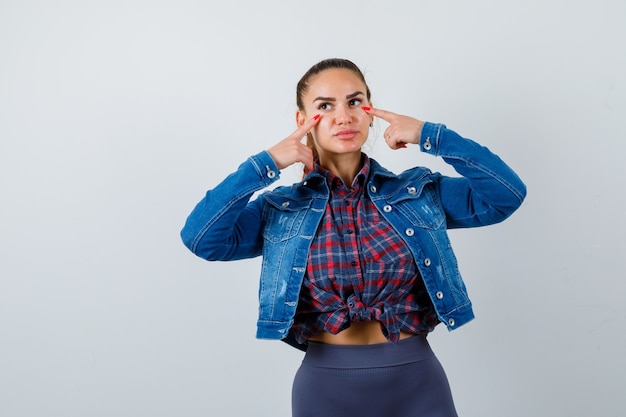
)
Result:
{"points": [[303, 85]]}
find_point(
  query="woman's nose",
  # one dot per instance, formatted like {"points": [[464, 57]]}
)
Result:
{"points": [[343, 115]]}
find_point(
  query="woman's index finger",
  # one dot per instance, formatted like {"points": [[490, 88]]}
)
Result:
{"points": [[383, 114], [311, 122]]}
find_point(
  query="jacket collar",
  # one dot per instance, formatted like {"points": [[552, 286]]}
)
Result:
{"points": [[378, 170]]}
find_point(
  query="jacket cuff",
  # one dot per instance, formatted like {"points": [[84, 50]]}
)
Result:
{"points": [[265, 167], [430, 136]]}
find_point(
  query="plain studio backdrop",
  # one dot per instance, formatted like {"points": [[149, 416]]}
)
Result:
{"points": [[116, 116]]}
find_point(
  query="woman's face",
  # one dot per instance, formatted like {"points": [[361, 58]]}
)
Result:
{"points": [[337, 95]]}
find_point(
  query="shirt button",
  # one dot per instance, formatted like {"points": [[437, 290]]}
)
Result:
{"points": [[439, 295], [349, 231], [409, 232], [427, 261], [271, 174], [412, 190], [427, 144], [387, 208], [373, 188], [451, 322], [353, 263], [285, 204]]}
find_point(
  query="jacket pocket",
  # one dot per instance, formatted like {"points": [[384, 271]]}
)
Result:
{"points": [[283, 217], [418, 201]]}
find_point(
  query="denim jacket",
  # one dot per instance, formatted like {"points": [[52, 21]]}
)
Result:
{"points": [[419, 204]]}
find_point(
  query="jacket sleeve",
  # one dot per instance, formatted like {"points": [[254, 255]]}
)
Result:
{"points": [[488, 190], [225, 224]]}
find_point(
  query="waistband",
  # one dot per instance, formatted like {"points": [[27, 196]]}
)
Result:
{"points": [[412, 349]]}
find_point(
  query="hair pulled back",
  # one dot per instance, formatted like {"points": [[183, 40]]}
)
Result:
{"points": [[304, 83]]}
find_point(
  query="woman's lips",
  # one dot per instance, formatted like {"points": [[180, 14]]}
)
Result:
{"points": [[346, 134]]}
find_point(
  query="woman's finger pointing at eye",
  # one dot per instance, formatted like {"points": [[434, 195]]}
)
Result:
{"points": [[383, 114], [308, 125]]}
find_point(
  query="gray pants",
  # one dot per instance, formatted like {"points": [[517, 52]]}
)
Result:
{"points": [[382, 380]]}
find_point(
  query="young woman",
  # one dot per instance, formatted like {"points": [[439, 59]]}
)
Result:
{"points": [[357, 266]]}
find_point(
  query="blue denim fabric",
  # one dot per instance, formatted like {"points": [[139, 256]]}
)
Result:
{"points": [[419, 204]]}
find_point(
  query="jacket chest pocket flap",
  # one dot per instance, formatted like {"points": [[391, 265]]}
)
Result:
{"points": [[418, 201], [283, 217]]}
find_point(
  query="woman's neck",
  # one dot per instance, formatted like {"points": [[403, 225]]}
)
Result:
{"points": [[345, 166]]}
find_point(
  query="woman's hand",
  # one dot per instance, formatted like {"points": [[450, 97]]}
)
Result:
{"points": [[401, 129], [291, 149]]}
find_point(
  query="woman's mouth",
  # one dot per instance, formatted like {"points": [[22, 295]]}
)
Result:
{"points": [[346, 134]]}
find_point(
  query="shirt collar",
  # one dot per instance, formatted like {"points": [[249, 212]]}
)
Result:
{"points": [[359, 179]]}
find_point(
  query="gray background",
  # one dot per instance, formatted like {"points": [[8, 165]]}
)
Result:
{"points": [[116, 116]]}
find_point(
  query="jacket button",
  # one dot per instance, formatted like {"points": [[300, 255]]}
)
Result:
{"points": [[451, 322], [285, 204], [412, 190], [427, 261], [373, 188], [427, 144], [439, 295], [409, 232], [271, 174], [387, 208]]}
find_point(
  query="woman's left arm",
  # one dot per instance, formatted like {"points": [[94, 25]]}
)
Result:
{"points": [[488, 192]]}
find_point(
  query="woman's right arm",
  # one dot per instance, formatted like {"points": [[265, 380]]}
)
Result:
{"points": [[225, 225]]}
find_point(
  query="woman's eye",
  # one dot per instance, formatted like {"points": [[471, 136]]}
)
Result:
{"points": [[355, 102], [324, 106]]}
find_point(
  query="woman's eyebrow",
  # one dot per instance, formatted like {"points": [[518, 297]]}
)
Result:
{"points": [[349, 96], [324, 99], [353, 95]]}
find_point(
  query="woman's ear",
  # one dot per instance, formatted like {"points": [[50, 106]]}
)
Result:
{"points": [[300, 118]]}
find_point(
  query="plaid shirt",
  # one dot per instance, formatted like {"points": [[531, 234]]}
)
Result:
{"points": [[360, 269]]}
